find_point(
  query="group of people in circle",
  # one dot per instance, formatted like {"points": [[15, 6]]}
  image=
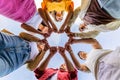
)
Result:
{"points": [[96, 15]]}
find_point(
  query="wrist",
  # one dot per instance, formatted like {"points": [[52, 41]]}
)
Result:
{"points": [[75, 34]]}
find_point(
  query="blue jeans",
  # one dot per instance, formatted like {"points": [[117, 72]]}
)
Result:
{"points": [[14, 52], [111, 6]]}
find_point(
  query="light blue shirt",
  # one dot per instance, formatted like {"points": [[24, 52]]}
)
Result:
{"points": [[111, 6]]}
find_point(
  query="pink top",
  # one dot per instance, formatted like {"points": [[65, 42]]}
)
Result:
{"points": [[19, 10], [62, 75]]}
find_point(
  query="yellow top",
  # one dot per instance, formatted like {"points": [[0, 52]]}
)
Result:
{"points": [[57, 6]]}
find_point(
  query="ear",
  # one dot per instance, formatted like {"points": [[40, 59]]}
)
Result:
{"points": [[82, 55]]}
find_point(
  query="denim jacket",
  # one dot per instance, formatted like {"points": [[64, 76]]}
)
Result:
{"points": [[111, 6]]}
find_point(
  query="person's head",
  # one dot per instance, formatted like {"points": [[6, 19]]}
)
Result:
{"points": [[40, 46], [63, 67], [82, 55], [43, 28], [82, 27], [58, 16]]}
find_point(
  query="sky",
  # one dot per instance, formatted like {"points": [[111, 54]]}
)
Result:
{"points": [[108, 40]]}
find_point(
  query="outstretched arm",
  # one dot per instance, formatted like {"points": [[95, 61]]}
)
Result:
{"points": [[31, 29], [29, 37], [31, 65], [91, 41], [72, 20], [67, 61], [51, 22], [44, 17], [24, 35], [90, 34], [69, 16], [75, 61], [44, 64]]}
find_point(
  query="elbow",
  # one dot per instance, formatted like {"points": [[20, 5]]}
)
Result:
{"points": [[83, 68], [78, 67]]}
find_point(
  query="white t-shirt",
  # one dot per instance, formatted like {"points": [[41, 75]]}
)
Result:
{"points": [[34, 50], [93, 57]]}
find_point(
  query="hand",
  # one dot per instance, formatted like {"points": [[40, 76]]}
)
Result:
{"points": [[53, 50], [71, 7], [83, 68], [46, 35], [55, 30], [67, 47], [40, 46], [43, 41], [61, 30], [70, 34], [50, 31], [61, 49], [70, 41], [46, 47], [67, 30]]}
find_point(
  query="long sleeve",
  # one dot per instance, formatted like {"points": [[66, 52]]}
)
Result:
{"points": [[114, 25], [18, 10], [89, 34], [74, 17], [93, 30]]}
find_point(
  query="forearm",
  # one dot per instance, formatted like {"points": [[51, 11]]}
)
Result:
{"points": [[29, 37], [87, 41], [42, 13], [90, 34], [44, 64], [30, 28], [74, 17], [51, 21], [68, 64], [68, 18], [74, 59], [91, 41], [33, 64], [70, 13]]}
